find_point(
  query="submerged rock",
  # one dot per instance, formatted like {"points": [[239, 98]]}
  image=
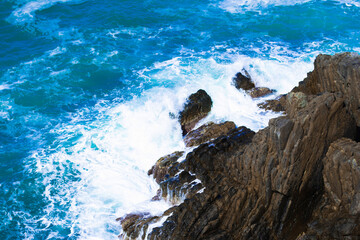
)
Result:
{"points": [[207, 132], [196, 108]]}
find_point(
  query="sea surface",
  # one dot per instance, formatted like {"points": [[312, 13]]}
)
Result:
{"points": [[90, 93]]}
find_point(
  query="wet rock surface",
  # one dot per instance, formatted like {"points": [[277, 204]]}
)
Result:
{"points": [[260, 92], [161, 169], [276, 105], [197, 106], [298, 178], [207, 132], [243, 81]]}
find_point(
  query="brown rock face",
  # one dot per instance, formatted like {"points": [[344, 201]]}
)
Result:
{"points": [[161, 168], [243, 81], [207, 132], [338, 214], [276, 105], [260, 92], [196, 108], [338, 73], [299, 178], [258, 187]]}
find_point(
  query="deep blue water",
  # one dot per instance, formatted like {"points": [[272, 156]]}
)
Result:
{"points": [[86, 88]]}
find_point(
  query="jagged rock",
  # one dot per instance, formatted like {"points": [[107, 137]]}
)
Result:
{"points": [[257, 187], [337, 73], [207, 132], [338, 214], [296, 179], [196, 108], [243, 81], [276, 105], [179, 187], [134, 224], [161, 168], [260, 92]]}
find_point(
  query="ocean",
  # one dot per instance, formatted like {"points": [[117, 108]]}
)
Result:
{"points": [[90, 93]]}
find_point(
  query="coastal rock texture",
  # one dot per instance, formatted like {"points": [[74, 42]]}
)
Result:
{"points": [[338, 73], [197, 107], [244, 81], [162, 167], [298, 178], [276, 105], [207, 132], [260, 92], [338, 214]]}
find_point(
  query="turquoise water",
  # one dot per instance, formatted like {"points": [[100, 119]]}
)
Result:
{"points": [[86, 88]]}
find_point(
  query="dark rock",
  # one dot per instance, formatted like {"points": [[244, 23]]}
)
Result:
{"points": [[136, 223], [276, 105], [338, 214], [196, 108], [243, 81], [260, 92], [207, 132], [161, 168], [257, 186], [299, 178]]}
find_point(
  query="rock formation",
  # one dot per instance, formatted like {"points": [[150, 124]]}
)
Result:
{"points": [[244, 81], [207, 132], [298, 178], [197, 107]]}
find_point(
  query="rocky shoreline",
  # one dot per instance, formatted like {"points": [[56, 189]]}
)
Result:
{"points": [[298, 178]]}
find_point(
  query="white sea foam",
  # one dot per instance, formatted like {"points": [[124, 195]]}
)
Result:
{"points": [[235, 6], [216, 78], [104, 175], [112, 158], [27, 10], [355, 3], [239, 6]]}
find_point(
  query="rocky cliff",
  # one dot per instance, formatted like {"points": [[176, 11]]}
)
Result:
{"points": [[299, 178]]}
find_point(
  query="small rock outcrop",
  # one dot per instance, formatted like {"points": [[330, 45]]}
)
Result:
{"points": [[276, 105], [243, 81], [260, 92], [162, 168], [207, 132], [197, 107], [298, 178]]}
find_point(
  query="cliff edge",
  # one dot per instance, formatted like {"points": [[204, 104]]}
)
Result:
{"points": [[298, 178]]}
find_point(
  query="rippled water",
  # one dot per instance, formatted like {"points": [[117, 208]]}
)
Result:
{"points": [[87, 90]]}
